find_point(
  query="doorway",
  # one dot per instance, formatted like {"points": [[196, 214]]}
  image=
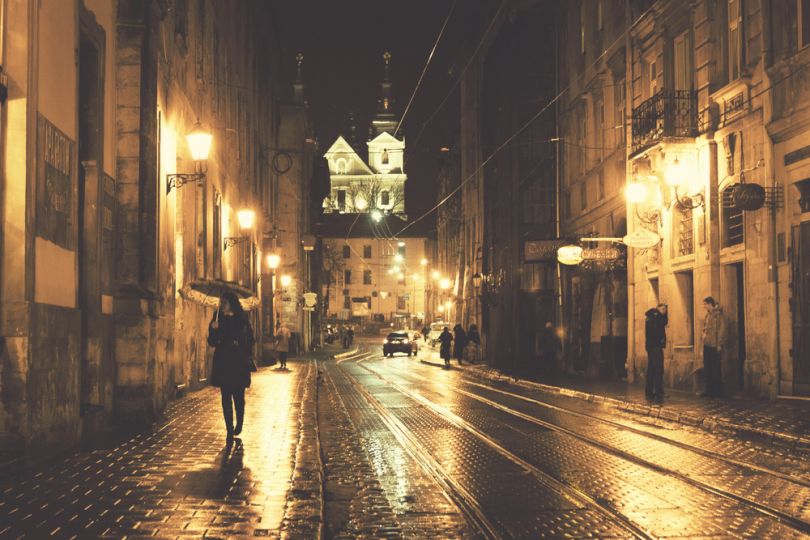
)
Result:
{"points": [[733, 304], [94, 390], [800, 303]]}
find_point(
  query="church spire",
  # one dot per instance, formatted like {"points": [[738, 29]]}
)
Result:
{"points": [[298, 85], [384, 120]]}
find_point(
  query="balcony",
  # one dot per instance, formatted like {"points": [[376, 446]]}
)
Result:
{"points": [[669, 113]]}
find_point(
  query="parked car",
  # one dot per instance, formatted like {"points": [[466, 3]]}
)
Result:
{"points": [[400, 342]]}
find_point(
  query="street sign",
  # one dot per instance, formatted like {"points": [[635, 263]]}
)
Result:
{"points": [[542, 250], [641, 239], [601, 254], [310, 299], [748, 196]]}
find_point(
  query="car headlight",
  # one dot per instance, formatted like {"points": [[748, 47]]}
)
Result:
{"points": [[386, 341]]}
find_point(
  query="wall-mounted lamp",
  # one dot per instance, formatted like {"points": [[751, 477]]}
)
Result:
{"points": [[199, 144], [477, 279], [445, 284], [286, 280], [245, 217], [675, 174], [273, 261]]}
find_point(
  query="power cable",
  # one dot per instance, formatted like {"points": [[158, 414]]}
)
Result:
{"points": [[424, 69]]}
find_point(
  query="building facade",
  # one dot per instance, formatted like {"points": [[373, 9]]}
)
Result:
{"points": [[117, 240]]}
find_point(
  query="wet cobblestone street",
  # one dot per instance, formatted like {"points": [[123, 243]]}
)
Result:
{"points": [[373, 447]]}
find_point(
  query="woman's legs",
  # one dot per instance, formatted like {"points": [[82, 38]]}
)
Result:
{"points": [[239, 402], [227, 409]]}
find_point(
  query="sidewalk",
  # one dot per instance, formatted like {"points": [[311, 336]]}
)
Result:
{"points": [[180, 479], [780, 421]]}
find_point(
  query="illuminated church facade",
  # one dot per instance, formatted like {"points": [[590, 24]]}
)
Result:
{"points": [[360, 186]]}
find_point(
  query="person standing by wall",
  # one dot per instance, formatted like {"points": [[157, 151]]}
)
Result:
{"points": [[283, 345], [231, 335], [459, 342], [655, 329], [549, 347], [446, 340], [714, 336]]}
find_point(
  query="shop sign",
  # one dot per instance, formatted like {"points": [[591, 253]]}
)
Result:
{"points": [[601, 254], [748, 197], [310, 299], [570, 255], [541, 250], [641, 239]]}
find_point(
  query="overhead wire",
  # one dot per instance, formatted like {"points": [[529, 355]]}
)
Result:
{"points": [[531, 120]]}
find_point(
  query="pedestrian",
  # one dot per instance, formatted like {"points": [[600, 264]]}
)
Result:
{"points": [[549, 347], [283, 345], [459, 342], [446, 340], [231, 335], [655, 340], [473, 343], [425, 332], [714, 336], [350, 335]]}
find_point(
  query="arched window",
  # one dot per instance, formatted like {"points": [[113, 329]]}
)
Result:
{"points": [[384, 157], [341, 166], [385, 198]]}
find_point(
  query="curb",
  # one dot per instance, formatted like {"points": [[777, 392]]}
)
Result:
{"points": [[346, 354], [711, 424]]}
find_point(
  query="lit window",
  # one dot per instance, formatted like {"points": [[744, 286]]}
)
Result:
{"points": [[341, 166]]}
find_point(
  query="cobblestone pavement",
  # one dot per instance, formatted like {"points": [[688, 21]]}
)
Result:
{"points": [[180, 480], [665, 479]]}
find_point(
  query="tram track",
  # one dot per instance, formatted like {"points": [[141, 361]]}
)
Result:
{"points": [[763, 509], [466, 501]]}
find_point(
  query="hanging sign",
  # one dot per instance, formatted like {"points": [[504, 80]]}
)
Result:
{"points": [[601, 254], [541, 250], [748, 196], [570, 255], [641, 239], [310, 299]]}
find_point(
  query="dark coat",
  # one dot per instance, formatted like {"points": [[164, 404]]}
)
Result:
{"points": [[460, 341], [550, 344], [233, 350], [446, 339], [473, 336], [655, 329]]}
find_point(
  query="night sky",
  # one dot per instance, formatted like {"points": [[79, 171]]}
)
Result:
{"points": [[343, 43]]}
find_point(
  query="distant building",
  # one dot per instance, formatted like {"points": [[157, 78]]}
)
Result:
{"points": [[362, 186]]}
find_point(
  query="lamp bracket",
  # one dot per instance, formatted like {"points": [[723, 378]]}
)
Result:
{"points": [[233, 240], [178, 180], [690, 201]]}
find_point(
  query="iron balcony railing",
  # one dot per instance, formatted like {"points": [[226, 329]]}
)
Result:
{"points": [[669, 113]]}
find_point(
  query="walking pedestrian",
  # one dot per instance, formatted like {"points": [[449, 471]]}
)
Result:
{"points": [[446, 340], [655, 340], [714, 336], [473, 343], [459, 342], [549, 347], [350, 336], [283, 345], [425, 332], [231, 335]]}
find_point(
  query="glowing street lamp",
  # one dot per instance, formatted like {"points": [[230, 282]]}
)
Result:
{"points": [[635, 192], [376, 215], [286, 280], [445, 283], [199, 144], [401, 243], [435, 275], [360, 203], [273, 261], [245, 217], [570, 255], [398, 258], [401, 276], [423, 262], [440, 308]]}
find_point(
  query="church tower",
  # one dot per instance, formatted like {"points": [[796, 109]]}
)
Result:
{"points": [[384, 120]]}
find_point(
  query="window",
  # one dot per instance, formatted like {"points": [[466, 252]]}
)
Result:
{"points": [[384, 157], [619, 107], [683, 318], [682, 60], [401, 250], [341, 199], [401, 303], [685, 231], [653, 78], [582, 18], [347, 302], [733, 230], [341, 167], [385, 198], [347, 277], [347, 252], [366, 277], [600, 188], [367, 252], [804, 23], [599, 113], [735, 47]]}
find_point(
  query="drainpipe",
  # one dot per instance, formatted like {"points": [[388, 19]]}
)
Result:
{"points": [[630, 363], [557, 228]]}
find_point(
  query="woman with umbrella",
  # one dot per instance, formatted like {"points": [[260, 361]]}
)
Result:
{"points": [[231, 335]]}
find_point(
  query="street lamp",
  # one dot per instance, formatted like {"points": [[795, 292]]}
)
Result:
{"points": [[435, 275], [477, 279], [273, 261], [398, 258], [376, 215], [245, 217], [199, 144], [360, 203], [675, 174], [445, 283], [423, 262], [286, 280]]}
